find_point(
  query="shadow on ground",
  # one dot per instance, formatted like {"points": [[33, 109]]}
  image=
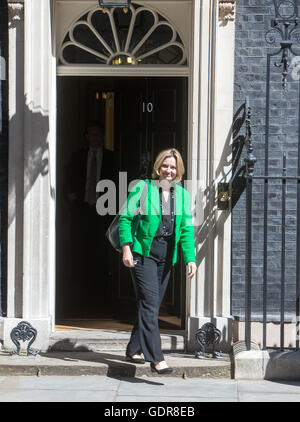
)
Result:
{"points": [[117, 366]]}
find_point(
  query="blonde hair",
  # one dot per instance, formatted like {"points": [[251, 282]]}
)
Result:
{"points": [[172, 152]]}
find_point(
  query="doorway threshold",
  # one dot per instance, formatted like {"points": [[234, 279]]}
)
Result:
{"points": [[105, 340], [165, 323]]}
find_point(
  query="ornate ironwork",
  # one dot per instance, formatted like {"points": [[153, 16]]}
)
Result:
{"points": [[238, 181], [286, 25], [250, 160], [25, 332], [85, 42], [207, 335]]}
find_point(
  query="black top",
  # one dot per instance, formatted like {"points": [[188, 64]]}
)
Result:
{"points": [[166, 225]]}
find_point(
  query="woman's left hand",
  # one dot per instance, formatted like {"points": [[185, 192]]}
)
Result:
{"points": [[191, 269]]}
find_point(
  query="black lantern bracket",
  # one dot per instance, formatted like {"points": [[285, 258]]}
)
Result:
{"points": [[285, 24], [250, 160]]}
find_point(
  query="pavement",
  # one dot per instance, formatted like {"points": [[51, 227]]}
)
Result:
{"points": [[71, 376], [127, 390], [91, 367]]}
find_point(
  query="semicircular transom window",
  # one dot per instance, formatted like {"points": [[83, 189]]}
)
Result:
{"points": [[139, 36]]}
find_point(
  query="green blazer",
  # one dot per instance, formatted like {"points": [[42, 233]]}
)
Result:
{"points": [[141, 241]]}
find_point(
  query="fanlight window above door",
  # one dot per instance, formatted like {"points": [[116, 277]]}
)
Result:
{"points": [[140, 36]]}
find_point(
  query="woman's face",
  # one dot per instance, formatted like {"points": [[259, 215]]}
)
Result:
{"points": [[168, 169]]}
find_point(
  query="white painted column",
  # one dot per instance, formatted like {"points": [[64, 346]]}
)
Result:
{"points": [[39, 160], [16, 161], [208, 294], [37, 248], [224, 111]]}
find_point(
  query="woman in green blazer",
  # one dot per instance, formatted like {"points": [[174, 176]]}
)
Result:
{"points": [[151, 251]]}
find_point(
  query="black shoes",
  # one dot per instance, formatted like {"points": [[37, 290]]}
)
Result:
{"points": [[140, 360], [134, 360], [160, 371]]}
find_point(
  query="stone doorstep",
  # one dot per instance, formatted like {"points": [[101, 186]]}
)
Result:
{"points": [[109, 341], [110, 364], [101, 352], [268, 365]]}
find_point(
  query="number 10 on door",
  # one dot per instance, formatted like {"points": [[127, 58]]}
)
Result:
{"points": [[147, 107]]}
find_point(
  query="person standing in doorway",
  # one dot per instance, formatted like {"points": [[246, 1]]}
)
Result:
{"points": [[89, 165], [151, 252]]}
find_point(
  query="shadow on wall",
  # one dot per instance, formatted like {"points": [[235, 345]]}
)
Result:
{"points": [[212, 225], [27, 159], [36, 156], [27, 162]]}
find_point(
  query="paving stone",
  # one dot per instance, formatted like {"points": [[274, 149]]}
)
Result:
{"points": [[252, 397], [283, 387], [55, 396], [181, 388], [173, 399], [70, 383]]}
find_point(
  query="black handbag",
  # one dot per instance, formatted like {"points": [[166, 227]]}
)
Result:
{"points": [[112, 232]]}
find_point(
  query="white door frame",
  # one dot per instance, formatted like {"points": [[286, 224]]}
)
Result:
{"points": [[137, 71], [145, 71]]}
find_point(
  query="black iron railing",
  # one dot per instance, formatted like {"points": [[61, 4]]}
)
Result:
{"points": [[286, 186], [273, 193], [250, 161], [283, 180]]}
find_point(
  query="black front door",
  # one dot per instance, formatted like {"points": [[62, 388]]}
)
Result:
{"points": [[150, 115]]}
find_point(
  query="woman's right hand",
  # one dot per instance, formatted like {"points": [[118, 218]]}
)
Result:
{"points": [[127, 256]]}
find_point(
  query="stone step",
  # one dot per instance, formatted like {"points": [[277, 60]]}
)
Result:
{"points": [[109, 341], [111, 364], [102, 352]]}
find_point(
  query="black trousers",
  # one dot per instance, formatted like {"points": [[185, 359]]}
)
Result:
{"points": [[150, 276]]}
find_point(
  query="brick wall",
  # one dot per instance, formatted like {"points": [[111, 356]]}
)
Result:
{"points": [[3, 158], [253, 20]]}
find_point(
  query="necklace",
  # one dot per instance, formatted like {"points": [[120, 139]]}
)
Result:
{"points": [[167, 211]]}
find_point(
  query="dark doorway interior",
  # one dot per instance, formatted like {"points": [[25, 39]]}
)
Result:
{"points": [[142, 116]]}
